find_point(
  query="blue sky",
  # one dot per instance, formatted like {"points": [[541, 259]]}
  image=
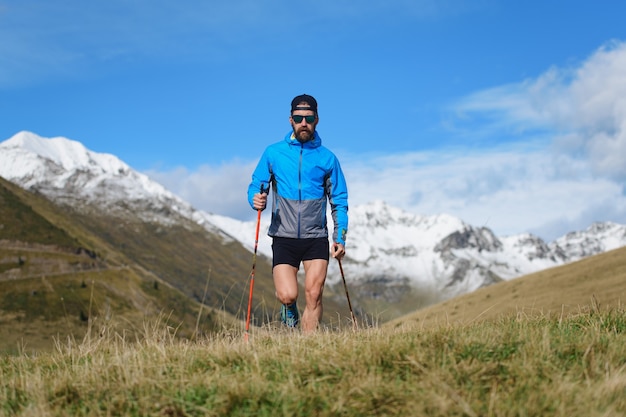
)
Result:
{"points": [[510, 115]]}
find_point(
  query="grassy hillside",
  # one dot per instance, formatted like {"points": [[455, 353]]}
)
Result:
{"points": [[47, 250], [35, 311], [530, 366], [595, 281], [57, 277], [19, 222], [182, 255]]}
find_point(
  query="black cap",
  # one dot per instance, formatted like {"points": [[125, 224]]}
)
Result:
{"points": [[304, 98]]}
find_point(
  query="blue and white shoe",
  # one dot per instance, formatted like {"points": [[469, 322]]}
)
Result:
{"points": [[289, 315]]}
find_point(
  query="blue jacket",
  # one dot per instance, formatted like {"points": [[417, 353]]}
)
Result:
{"points": [[304, 177]]}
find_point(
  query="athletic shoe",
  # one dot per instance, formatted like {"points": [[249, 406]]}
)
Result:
{"points": [[289, 315]]}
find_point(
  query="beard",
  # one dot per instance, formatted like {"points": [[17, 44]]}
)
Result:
{"points": [[304, 134]]}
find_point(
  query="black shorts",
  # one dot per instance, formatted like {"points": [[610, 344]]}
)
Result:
{"points": [[293, 251]]}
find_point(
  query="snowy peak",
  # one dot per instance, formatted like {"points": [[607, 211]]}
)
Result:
{"points": [[531, 247], [36, 162], [67, 172], [481, 239], [377, 213], [377, 216], [66, 153], [597, 238]]}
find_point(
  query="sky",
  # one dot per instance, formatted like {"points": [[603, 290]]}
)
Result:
{"points": [[508, 115]]}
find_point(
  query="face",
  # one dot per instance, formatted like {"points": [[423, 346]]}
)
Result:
{"points": [[304, 131]]}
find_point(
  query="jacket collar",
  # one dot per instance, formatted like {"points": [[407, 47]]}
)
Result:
{"points": [[313, 143]]}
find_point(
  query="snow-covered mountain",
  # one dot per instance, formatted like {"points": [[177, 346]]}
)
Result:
{"points": [[68, 173], [387, 246], [440, 254]]}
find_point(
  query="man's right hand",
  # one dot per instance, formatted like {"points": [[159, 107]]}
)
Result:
{"points": [[260, 201]]}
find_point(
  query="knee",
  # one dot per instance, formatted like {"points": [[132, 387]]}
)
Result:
{"points": [[286, 296], [314, 294]]}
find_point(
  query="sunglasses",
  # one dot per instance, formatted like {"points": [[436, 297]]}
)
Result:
{"points": [[298, 119]]}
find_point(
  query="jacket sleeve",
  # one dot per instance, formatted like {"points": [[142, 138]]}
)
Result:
{"points": [[338, 197], [260, 176]]}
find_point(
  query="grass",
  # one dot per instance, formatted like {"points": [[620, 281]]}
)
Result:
{"points": [[18, 221], [33, 311], [513, 366]]}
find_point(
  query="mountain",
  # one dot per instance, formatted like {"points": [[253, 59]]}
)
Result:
{"points": [[65, 171], [396, 261]]}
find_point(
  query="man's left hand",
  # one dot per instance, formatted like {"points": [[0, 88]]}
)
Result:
{"points": [[338, 251]]}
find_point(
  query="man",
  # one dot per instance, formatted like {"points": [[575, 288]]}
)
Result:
{"points": [[304, 177]]}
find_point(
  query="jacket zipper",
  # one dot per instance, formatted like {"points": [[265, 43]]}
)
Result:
{"points": [[300, 190]]}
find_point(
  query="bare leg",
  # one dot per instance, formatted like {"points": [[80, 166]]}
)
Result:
{"points": [[286, 283], [315, 276]]}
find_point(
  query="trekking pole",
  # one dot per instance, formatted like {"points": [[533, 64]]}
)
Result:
{"points": [[256, 245], [354, 324]]}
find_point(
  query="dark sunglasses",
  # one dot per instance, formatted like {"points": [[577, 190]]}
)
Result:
{"points": [[298, 119]]}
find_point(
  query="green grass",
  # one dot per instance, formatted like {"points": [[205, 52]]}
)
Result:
{"points": [[18, 221], [35, 310], [513, 366]]}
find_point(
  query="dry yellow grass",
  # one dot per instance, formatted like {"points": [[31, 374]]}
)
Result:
{"points": [[510, 367], [599, 280]]}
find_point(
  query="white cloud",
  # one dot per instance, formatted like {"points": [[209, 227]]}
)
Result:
{"points": [[220, 190], [510, 190], [583, 107]]}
